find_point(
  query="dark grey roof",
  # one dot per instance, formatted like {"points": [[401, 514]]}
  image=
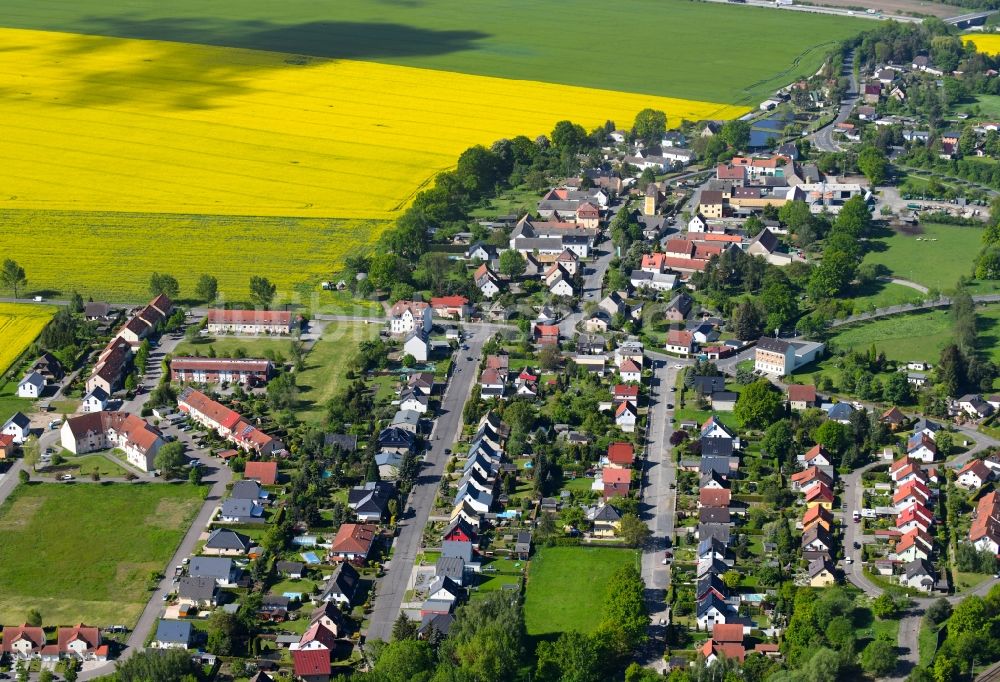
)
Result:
{"points": [[246, 490], [727, 396], [435, 621], [457, 548], [289, 566], [713, 515], [708, 385], [450, 567], [346, 442], [371, 498], [708, 582], [174, 631], [395, 437], [719, 531], [19, 420], [237, 508], [212, 567], [223, 538], [709, 602], [716, 447], [718, 465], [197, 588], [769, 343]]}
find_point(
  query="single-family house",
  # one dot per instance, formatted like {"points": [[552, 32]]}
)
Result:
{"points": [[821, 573], [17, 426], [974, 475], [173, 634], [417, 345], [222, 570], [225, 542], [353, 542], [801, 396], [31, 386], [919, 575], [342, 586]]}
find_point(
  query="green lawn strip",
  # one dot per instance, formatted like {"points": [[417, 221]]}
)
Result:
{"points": [[527, 40], [10, 403], [326, 366], [566, 587], [928, 642], [883, 295], [935, 258], [96, 546], [85, 465], [227, 346]]}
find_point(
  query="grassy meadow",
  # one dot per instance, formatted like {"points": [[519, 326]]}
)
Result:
{"points": [[326, 367], [20, 325], [84, 552], [935, 258], [665, 49], [566, 587]]}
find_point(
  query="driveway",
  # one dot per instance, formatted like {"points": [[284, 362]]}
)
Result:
{"points": [[447, 428]]}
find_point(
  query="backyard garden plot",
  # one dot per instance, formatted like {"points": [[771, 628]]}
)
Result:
{"points": [[84, 552], [20, 325], [566, 587]]}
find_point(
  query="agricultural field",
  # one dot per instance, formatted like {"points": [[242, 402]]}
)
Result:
{"points": [[95, 566], [566, 587], [987, 43], [20, 325], [666, 53], [936, 257], [228, 247]]}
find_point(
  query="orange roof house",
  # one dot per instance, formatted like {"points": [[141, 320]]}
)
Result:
{"points": [[266, 473]]}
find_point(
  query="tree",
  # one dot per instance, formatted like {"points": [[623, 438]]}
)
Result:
{"points": [[163, 284], [403, 628], [34, 618], [568, 136], [795, 215], [736, 134], [758, 405], [879, 658], [573, 657], [405, 660], [633, 530], [154, 664], [12, 275], [71, 670], [832, 276], [650, 125], [945, 443], [747, 320], [873, 164], [946, 669], [207, 288], [23, 476], [778, 440], [885, 607], [170, 457], [262, 291], [832, 435], [194, 476], [625, 616], [939, 611], [840, 633], [512, 263]]}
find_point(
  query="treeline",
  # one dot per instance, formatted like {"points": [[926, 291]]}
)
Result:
{"points": [[972, 637]]}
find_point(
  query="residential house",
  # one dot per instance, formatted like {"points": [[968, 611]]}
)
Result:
{"points": [[919, 575], [225, 542], [17, 426], [353, 542], [81, 642], [417, 345], [893, 418], [620, 455], [24, 642], [920, 447], [630, 372], [95, 400], [97, 311], [31, 386], [626, 416], [839, 412], [681, 342], [802, 481], [223, 571], [914, 516], [245, 371], [451, 307], [485, 253], [408, 316], [975, 406], [265, 473], [199, 592], [290, 569], [227, 423], [974, 475], [342, 586], [711, 611], [546, 334], [984, 533], [486, 281], [816, 539], [819, 494], [370, 501], [821, 573], [801, 396], [242, 511], [916, 544], [817, 516], [137, 438], [249, 322], [7, 446], [605, 520], [913, 492], [311, 665], [678, 308], [173, 634]]}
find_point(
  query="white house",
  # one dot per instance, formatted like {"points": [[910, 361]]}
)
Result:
{"points": [[133, 435], [416, 344], [630, 372], [31, 386], [95, 400], [974, 475], [711, 611], [405, 316], [625, 417], [17, 426]]}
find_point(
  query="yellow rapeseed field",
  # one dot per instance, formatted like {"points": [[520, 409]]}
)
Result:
{"points": [[20, 325], [987, 43], [105, 124]]}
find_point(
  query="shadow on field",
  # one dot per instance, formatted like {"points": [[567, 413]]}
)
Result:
{"points": [[331, 39]]}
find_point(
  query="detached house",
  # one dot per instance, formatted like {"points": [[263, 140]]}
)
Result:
{"points": [[407, 316], [17, 427], [681, 342], [353, 542], [24, 642], [974, 475], [801, 396], [486, 281], [31, 386], [985, 531]]}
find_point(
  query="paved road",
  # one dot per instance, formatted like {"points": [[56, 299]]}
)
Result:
{"points": [[218, 476], [392, 587], [659, 498], [853, 499], [593, 282], [823, 138], [10, 480], [941, 302]]}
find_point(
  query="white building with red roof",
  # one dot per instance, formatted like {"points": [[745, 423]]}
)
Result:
{"points": [[249, 322], [92, 431]]}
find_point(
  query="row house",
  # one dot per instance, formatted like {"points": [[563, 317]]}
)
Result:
{"points": [[79, 642], [246, 371], [227, 423], [250, 322], [545, 241], [143, 324]]}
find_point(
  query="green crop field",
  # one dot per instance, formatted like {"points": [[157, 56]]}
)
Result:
{"points": [[84, 552], [661, 49], [936, 258], [566, 587]]}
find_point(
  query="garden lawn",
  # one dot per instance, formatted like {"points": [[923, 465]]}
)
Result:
{"points": [[10, 402], [936, 258], [914, 336], [326, 366], [84, 553], [883, 295], [226, 346], [566, 587]]}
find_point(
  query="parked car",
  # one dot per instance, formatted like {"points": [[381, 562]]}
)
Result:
{"points": [[66, 477]]}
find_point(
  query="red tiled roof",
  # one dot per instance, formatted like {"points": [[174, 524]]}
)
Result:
{"points": [[216, 412], [714, 497], [311, 662], [621, 453], [680, 337], [220, 364], [354, 538], [626, 391], [449, 302], [817, 513], [265, 472], [615, 490], [727, 632], [90, 635], [801, 393], [614, 475], [820, 492], [629, 366], [13, 633]]}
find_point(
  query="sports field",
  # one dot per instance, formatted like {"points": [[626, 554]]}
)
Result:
{"points": [[84, 552], [20, 325], [566, 587], [936, 257]]}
